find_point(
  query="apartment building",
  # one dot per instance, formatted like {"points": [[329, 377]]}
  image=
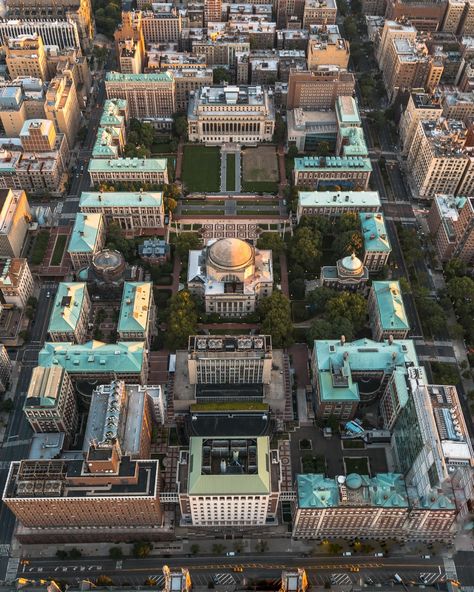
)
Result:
{"points": [[319, 12], [456, 105], [168, 58], [150, 96], [212, 11], [129, 170], [136, 213], [87, 238], [289, 11], [325, 172], [216, 359], [21, 100], [453, 16], [62, 33], [26, 56], [332, 203], [290, 59], [50, 404], [130, 57], [70, 315], [377, 246], [229, 483], [62, 106], [374, 7], [392, 30], [15, 216], [246, 115], [16, 282], [420, 107], [189, 81], [58, 60], [318, 89], [163, 25], [94, 360], [137, 320], [327, 47], [65, 499], [230, 276], [260, 32], [387, 311], [346, 374], [5, 369], [292, 39], [451, 222], [437, 161], [221, 51], [424, 16]]}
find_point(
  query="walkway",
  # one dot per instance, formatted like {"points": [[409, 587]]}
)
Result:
{"points": [[176, 273], [238, 179], [282, 169], [223, 170], [284, 275], [230, 326], [179, 161]]}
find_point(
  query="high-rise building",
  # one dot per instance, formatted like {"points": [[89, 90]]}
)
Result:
{"points": [[16, 282], [212, 11], [62, 106], [70, 316], [319, 89], [392, 30], [26, 56], [15, 216], [5, 368], [62, 33], [424, 16], [50, 404], [451, 222], [188, 81], [420, 107], [21, 100], [163, 25], [131, 59], [387, 311]]}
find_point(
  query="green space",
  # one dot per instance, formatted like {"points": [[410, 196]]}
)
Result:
{"points": [[58, 251], [230, 406], [260, 186], [230, 173], [201, 168], [357, 465], [353, 444], [39, 247], [161, 148], [313, 464], [203, 212]]}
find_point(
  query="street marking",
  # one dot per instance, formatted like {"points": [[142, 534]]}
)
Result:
{"points": [[341, 579], [224, 579]]}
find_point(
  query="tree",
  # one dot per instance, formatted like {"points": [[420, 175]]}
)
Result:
{"points": [[272, 241], [348, 221], [185, 242], [180, 126], [348, 305], [444, 373], [7, 405], [279, 134], [182, 319], [142, 549], [455, 268], [347, 243], [319, 298], [74, 553], [305, 248], [323, 328], [115, 553], [350, 28], [194, 549], [276, 314], [218, 548], [220, 75], [61, 554], [104, 581], [461, 290], [322, 148], [238, 546], [297, 288], [261, 546], [292, 151]]}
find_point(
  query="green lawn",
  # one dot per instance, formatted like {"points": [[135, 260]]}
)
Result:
{"points": [[161, 148], [357, 465], [58, 251], [39, 247], [201, 168], [260, 187], [230, 173]]}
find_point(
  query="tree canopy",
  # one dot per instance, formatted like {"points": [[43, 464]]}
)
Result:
{"points": [[187, 241], [273, 241], [275, 312], [182, 319]]}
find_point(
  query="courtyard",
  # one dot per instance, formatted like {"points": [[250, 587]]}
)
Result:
{"points": [[260, 170]]}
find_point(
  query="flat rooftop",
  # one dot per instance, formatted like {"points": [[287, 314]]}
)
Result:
{"points": [[231, 95], [139, 165], [229, 343], [324, 199]]}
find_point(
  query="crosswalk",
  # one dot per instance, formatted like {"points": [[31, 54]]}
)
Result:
{"points": [[157, 580], [12, 569], [224, 579], [340, 579], [429, 577]]}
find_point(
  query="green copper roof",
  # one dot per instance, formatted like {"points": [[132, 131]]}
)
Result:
{"points": [[230, 484], [146, 165], [317, 491], [135, 307], [111, 114], [331, 163], [94, 357], [374, 232], [84, 234], [388, 490], [353, 141], [436, 500], [347, 111], [388, 297], [155, 77], [67, 307], [96, 199], [44, 388]]}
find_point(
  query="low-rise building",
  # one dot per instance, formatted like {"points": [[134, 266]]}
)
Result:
{"points": [[137, 320], [16, 282], [129, 170], [50, 404], [377, 246], [306, 129], [87, 238], [136, 213], [323, 172], [94, 360], [386, 311], [15, 216], [231, 276], [349, 273], [451, 222], [245, 115], [229, 483], [332, 203], [70, 315], [154, 250]]}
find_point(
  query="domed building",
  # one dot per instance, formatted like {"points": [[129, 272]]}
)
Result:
{"points": [[349, 273], [231, 275]]}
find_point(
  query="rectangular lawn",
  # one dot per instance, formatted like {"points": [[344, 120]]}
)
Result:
{"points": [[230, 173], [201, 168], [58, 250], [358, 465]]}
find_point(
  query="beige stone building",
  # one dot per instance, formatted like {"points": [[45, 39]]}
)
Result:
{"points": [[26, 56], [451, 223], [16, 282], [420, 107], [437, 161], [5, 368], [62, 106], [327, 47], [130, 57], [15, 216], [21, 100], [212, 11], [163, 25], [50, 404], [318, 89], [242, 114], [152, 171], [454, 16], [188, 81], [392, 30], [319, 12]]}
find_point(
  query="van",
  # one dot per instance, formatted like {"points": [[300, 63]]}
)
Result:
{"points": [[230, 554], [398, 579]]}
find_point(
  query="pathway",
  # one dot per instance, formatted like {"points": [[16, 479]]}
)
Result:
{"points": [[223, 169], [179, 161], [284, 275], [233, 326], [282, 170], [238, 180]]}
